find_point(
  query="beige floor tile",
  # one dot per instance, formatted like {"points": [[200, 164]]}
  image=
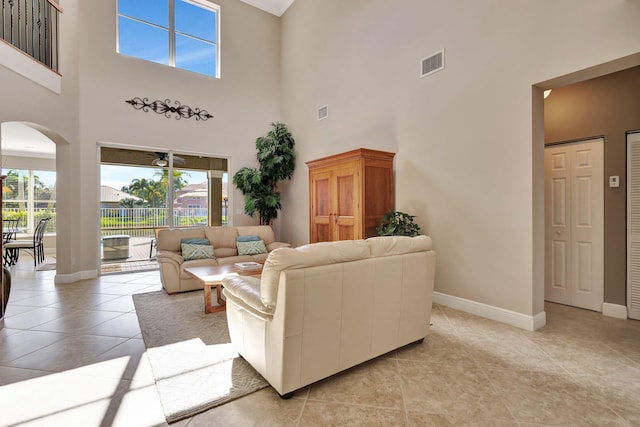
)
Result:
{"points": [[339, 414], [622, 395], [125, 408], [454, 390], [78, 321], [551, 399], [125, 326], [438, 420], [578, 356], [14, 308], [30, 319], [18, 294], [73, 351], [39, 299], [137, 362], [83, 300], [16, 345], [374, 383], [122, 304], [517, 353], [13, 375], [262, 408], [438, 349]]}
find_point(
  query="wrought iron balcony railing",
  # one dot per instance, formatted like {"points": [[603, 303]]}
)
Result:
{"points": [[32, 27]]}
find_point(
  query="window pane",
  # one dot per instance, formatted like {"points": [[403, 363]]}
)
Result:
{"points": [[143, 41], [195, 21], [16, 189], [154, 11], [195, 55]]}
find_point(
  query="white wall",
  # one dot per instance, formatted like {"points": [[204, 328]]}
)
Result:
{"points": [[463, 136], [91, 109]]}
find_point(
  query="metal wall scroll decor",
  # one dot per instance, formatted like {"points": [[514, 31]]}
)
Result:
{"points": [[165, 107]]}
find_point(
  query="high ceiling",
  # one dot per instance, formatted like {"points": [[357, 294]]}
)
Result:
{"points": [[276, 7]]}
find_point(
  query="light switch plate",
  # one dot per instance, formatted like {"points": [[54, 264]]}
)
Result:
{"points": [[614, 181]]}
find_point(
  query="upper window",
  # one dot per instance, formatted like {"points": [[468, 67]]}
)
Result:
{"points": [[178, 33]]}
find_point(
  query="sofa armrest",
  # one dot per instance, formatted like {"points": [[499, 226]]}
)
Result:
{"points": [[275, 245], [245, 290], [169, 256]]}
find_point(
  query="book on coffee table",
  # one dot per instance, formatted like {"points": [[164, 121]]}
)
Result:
{"points": [[249, 265]]}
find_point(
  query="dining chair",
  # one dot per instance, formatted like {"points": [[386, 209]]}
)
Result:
{"points": [[35, 246]]}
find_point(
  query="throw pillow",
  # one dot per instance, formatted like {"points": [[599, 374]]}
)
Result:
{"points": [[195, 241], [191, 251], [247, 238], [254, 247]]}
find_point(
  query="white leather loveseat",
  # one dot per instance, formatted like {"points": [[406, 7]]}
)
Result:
{"points": [[223, 239], [322, 308]]}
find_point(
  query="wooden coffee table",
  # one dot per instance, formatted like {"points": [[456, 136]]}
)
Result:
{"points": [[211, 276]]}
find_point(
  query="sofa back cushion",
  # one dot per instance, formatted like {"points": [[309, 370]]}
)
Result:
{"points": [[306, 256], [170, 239], [223, 240], [264, 232], [398, 245]]}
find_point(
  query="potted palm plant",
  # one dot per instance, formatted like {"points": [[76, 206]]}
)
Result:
{"points": [[259, 186]]}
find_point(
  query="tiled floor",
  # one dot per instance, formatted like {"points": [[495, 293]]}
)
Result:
{"points": [[72, 355]]}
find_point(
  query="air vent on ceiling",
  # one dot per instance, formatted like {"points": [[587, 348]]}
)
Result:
{"points": [[323, 112], [432, 64]]}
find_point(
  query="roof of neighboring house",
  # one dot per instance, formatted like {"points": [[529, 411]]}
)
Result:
{"points": [[203, 186], [111, 195], [194, 194]]}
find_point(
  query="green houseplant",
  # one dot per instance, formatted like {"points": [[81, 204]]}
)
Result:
{"points": [[259, 186], [396, 223]]}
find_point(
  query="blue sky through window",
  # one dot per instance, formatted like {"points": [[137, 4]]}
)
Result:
{"points": [[144, 32]]}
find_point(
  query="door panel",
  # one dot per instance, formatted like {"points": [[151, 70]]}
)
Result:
{"points": [[633, 226], [321, 207], [574, 214]]}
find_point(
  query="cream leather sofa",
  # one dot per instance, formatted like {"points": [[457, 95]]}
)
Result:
{"points": [[223, 239], [322, 308]]}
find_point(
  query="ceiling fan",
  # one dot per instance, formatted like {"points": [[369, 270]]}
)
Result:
{"points": [[162, 159]]}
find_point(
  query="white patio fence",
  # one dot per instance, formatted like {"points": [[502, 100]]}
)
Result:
{"points": [[136, 222]]}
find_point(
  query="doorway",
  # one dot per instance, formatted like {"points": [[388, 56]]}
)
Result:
{"points": [[144, 191], [574, 218]]}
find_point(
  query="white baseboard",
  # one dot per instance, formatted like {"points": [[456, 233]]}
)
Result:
{"points": [[74, 277], [614, 310], [519, 320]]}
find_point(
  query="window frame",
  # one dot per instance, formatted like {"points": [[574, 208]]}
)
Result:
{"points": [[171, 32]]}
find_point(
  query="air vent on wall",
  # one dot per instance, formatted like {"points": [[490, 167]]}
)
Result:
{"points": [[432, 64], [323, 112]]}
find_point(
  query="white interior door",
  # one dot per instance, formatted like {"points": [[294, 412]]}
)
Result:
{"points": [[633, 225], [574, 218]]}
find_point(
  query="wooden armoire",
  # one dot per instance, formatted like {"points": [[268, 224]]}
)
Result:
{"points": [[349, 193]]}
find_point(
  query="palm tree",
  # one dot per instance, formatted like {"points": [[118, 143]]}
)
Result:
{"points": [[178, 180], [140, 187]]}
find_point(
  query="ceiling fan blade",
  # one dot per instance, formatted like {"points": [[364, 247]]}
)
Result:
{"points": [[178, 160]]}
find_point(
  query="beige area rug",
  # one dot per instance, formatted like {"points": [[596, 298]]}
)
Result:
{"points": [[194, 366]]}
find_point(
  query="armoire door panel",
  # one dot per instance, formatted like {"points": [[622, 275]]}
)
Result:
{"points": [[321, 197], [346, 194]]}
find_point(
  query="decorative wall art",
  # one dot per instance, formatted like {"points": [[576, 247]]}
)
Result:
{"points": [[164, 107]]}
